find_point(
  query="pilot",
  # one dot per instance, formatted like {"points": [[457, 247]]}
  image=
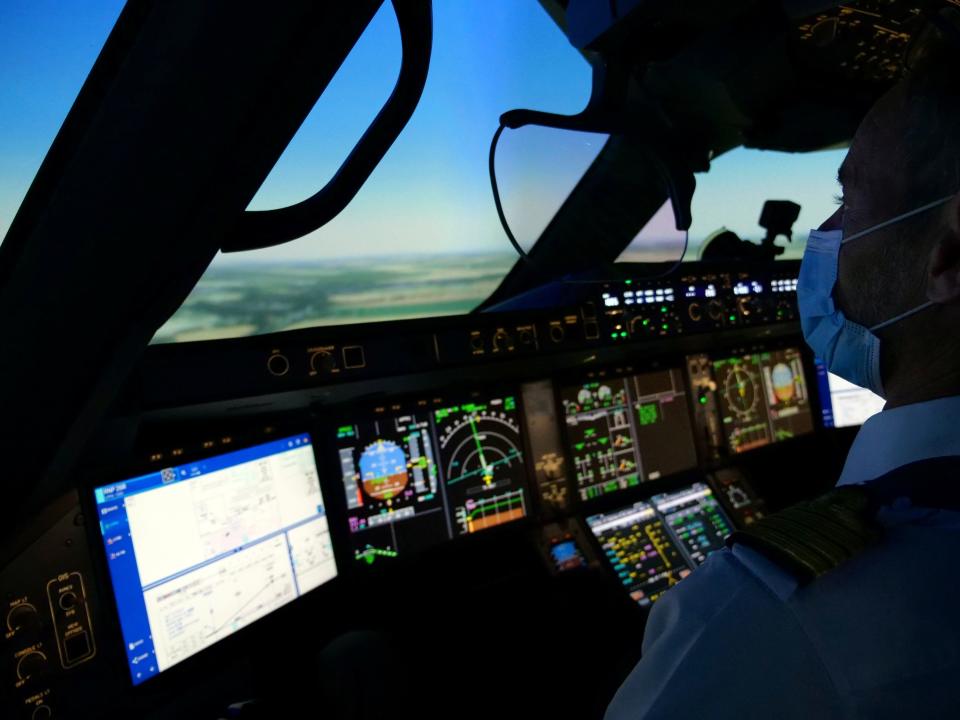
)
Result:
{"points": [[848, 606]]}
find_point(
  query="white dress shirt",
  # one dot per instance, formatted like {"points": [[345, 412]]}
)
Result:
{"points": [[903, 435]]}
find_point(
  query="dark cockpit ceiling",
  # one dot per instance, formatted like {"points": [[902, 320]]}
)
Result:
{"points": [[184, 114]]}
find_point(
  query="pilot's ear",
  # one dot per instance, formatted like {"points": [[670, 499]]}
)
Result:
{"points": [[943, 282]]}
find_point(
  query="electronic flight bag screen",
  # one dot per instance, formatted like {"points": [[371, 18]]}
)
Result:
{"points": [[414, 479], [201, 550], [842, 403]]}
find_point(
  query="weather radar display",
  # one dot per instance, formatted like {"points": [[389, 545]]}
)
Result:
{"points": [[481, 453]]}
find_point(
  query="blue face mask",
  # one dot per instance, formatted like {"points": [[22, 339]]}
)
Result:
{"points": [[848, 349]]}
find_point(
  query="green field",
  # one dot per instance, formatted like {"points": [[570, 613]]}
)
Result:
{"points": [[233, 300]]}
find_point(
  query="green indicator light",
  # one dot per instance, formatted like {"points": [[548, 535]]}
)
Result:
{"points": [[623, 334], [613, 335], [663, 308], [629, 282], [646, 322], [703, 400], [665, 326], [732, 318]]}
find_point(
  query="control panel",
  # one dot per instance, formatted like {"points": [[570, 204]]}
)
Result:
{"points": [[48, 609], [557, 319], [697, 302]]}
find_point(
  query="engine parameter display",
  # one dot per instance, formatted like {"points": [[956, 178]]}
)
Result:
{"points": [[601, 437], [624, 431]]}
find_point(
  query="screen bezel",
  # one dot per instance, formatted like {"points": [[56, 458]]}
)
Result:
{"points": [[215, 659], [341, 414]]}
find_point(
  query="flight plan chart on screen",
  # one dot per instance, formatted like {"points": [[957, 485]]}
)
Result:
{"points": [[201, 550]]}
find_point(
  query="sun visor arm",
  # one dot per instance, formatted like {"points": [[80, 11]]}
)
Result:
{"points": [[267, 228]]}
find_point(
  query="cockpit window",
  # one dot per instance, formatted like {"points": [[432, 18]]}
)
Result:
{"points": [[47, 48], [731, 195], [422, 237]]}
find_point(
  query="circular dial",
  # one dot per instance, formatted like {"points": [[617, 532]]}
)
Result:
{"points": [[23, 617], [383, 470], [741, 390]]}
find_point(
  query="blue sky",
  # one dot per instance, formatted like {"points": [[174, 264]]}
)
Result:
{"points": [[431, 193]]}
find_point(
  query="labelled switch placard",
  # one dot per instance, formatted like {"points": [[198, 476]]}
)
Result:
{"points": [[71, 619]]}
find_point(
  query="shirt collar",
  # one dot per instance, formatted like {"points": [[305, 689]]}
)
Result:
{"points": [[903, 435]]}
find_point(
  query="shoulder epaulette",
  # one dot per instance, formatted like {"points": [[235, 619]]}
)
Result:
{"points": [[813, 537]]}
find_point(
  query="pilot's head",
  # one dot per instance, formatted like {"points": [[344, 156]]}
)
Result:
{"points": [[903, 165]]}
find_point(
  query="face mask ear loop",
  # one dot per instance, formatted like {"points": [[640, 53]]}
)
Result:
{"points": [[899, 218], [903, 316]]}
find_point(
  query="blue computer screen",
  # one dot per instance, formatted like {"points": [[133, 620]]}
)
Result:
{"points": [[201, 550], [842, 403]]}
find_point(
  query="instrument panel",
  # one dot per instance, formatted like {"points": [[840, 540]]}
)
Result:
{"points": [[619, 460]]}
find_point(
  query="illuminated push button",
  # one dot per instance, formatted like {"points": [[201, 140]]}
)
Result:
{"points": [[31, 664], [68, 600], [76, 647], [23, 618]]}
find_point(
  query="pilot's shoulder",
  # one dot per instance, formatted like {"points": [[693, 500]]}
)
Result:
{"points": [[805, 541]]}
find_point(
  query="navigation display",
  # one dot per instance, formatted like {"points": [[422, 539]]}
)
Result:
{"points": [[482, 456], [624, 431], [415, 479], [762, 398], [653, 545], [391, 482], [201, 550]]}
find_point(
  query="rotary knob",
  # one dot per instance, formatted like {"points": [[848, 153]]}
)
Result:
{"points": [[715, 309], [322, 362], [23, 617], [31, 664]]}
